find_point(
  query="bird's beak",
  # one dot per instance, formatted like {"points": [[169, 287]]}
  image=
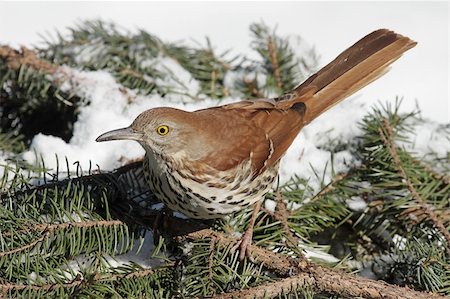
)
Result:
{"points": [[120, 134]]}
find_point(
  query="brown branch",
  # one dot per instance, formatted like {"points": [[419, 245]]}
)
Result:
{"points": [[130, 72], [272, 47], [272, 289], [388, 140], [15, 59], [282, 215], [279, 264], [319, 278]]}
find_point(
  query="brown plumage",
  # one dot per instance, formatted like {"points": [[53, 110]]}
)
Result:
{"points": [[212, 162]]}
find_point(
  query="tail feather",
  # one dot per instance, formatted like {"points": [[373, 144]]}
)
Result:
{"points": [[356, 67]]}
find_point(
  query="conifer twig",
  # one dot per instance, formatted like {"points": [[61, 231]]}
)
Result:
{"points": [[48, 229], [15, 59], [77, 281], [6, 287], [388, 140], [330, 187], [282, 214], [272, 48], [44, 227], [438, 176], [319, 278], [25, 247]]}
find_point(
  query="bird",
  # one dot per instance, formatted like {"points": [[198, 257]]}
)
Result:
{"points": [[213, 162]]}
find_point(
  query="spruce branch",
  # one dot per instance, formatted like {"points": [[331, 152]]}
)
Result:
{"points": [[30, 96], [387, 135], [330, 187], [282, 68], [320, 278], [8, 287], [205, 65], [252, 86]]}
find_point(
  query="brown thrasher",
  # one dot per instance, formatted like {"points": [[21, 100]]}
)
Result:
{"points": [[216, 161]]}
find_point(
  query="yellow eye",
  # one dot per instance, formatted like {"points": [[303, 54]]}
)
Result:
{"points": [[162, 130]]}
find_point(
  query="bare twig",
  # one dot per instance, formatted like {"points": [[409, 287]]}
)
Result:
{"points": [[272, 47], [282, 215]]}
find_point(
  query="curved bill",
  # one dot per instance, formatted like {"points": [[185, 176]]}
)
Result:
{"points": [[120, 134]]}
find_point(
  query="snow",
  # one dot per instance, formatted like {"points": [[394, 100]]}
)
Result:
{"points": [[399, 242], [429, 137], [108, 109], [357, 204], [141, 254], [179, 78], [270, 205], [317, 253]]}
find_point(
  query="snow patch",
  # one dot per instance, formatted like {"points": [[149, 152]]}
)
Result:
{"points": [[270, 205], [357, 204]]}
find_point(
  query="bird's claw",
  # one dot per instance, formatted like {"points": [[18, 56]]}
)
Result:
{"points": [[244, 246]]}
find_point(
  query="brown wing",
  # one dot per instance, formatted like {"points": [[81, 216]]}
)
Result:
{"points": [[258, 131]]}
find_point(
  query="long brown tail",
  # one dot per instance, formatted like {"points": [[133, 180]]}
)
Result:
{"points": [[356, 67]]}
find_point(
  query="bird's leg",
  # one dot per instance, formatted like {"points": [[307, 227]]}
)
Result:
{"points": [[158, 224], [246, 240]]}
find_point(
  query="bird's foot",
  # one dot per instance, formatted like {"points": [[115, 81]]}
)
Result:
{"points": [[244, 245], [158, 224]]}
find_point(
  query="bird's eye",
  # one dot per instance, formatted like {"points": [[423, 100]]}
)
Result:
{"points": [[162, 130]]}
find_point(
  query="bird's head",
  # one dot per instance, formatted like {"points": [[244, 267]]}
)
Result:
{"points": [[165, 131]]}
